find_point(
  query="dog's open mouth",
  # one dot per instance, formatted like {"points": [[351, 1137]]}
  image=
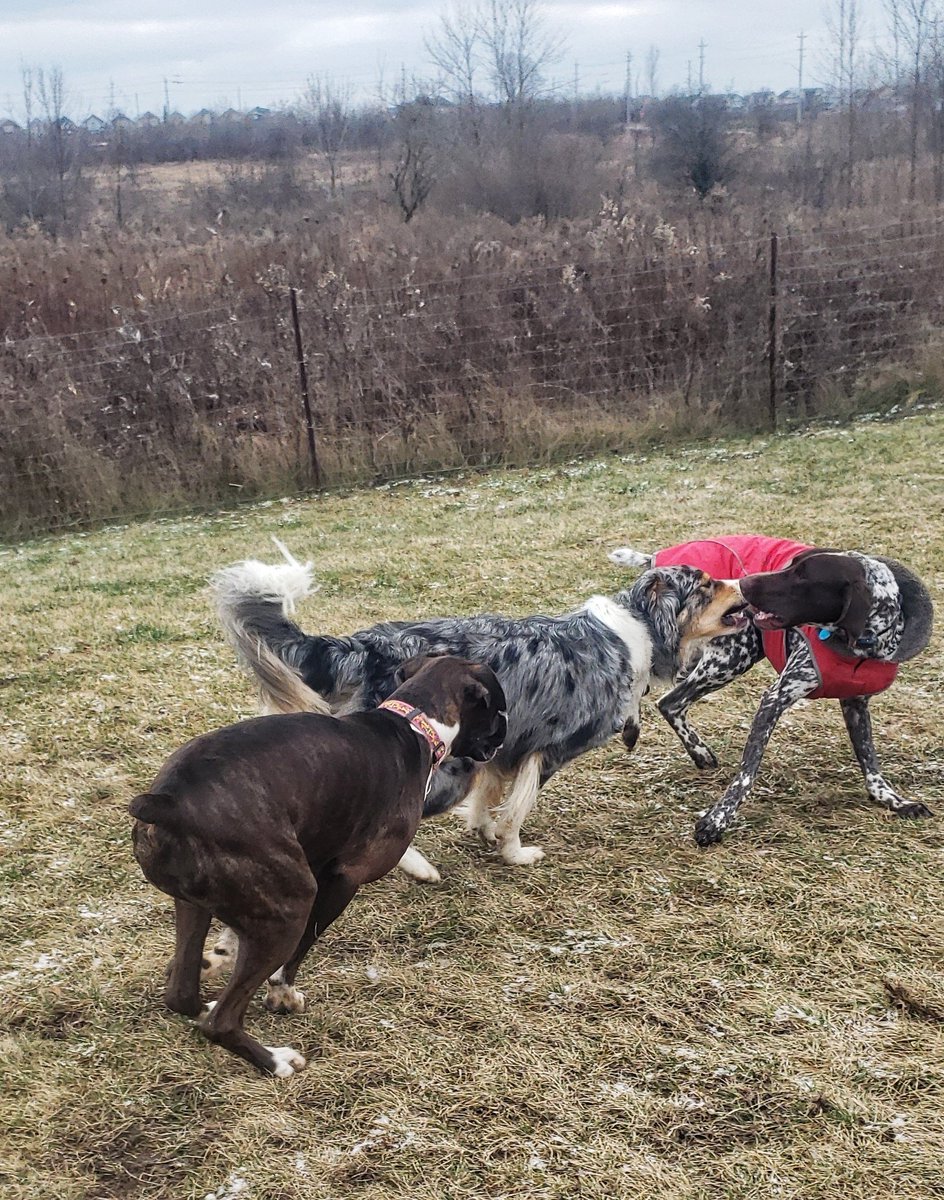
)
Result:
{"points": [[736, 617], [766, 620]]}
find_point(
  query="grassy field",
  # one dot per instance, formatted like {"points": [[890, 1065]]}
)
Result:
{"points": [[633, 1017]]}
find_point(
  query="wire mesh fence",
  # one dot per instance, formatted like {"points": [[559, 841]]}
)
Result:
{"points": [[493, 360]]}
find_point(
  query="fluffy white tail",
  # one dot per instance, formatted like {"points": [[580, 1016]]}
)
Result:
{"points": [[254, 601]]}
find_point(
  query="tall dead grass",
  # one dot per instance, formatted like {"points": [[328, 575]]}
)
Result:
{"points": [[143, 372]]}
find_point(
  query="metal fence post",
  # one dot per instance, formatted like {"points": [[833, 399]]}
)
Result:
{"points": [[306, 400], [772, 355]]}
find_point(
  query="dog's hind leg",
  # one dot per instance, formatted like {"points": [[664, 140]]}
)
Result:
{"points": [[263, 944], [855, 712], [513, 811], [335, 893], [182, 992], [722, 660]]}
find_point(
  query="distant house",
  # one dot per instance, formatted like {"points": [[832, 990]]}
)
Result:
{"points": [[203, 117], [258, 113], [120, 121], [66, 124], [148, 120], [175, 118], [94, 124], [762, 99], [8, 126], [231, 116], [734, 102]]}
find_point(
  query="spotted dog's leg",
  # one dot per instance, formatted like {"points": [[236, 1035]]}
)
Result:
{"points": [[855, 712], [723, 659], [800, 678]]}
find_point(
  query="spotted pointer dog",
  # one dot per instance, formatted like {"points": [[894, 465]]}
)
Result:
{"points": [[834, 624]]}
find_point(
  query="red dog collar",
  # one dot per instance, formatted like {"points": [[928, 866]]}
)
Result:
{"points": [[421, 723]]}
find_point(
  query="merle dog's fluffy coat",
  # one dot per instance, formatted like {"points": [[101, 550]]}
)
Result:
{"points": [[872, 610], [571, 681]]}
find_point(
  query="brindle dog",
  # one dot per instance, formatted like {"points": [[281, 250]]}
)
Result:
{"points": [[272, 825]]}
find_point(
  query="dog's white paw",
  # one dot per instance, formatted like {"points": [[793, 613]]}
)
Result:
{"points": [[522, 856], [417, 867], [287, 1061], [283, 998]]}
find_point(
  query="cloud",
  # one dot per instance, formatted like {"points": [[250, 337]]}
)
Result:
{"points": [[260, 52]]}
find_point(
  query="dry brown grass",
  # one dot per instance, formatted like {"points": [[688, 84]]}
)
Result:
{"points": [[148, 373], [634, 1017]]}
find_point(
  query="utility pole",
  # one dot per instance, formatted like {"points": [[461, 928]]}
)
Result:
{"points": [[800, 81], [629, 85], [166, 101], [701, 67]]}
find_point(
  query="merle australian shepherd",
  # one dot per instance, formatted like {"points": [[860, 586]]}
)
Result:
{"points": [[571, 681]]}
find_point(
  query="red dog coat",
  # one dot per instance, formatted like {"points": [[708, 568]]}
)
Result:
{"points": [[841, 676]]}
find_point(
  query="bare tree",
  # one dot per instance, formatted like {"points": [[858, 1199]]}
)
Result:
{"points": [[456, 51], [694, 144], [652, 70], [329, 105], [28, 166], [843, 25], [934, 80], [52, 98], [520, 50], [413, 173], [911, 26]]}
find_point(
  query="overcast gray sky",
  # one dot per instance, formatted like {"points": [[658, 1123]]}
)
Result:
{"points": [[240, 53]]}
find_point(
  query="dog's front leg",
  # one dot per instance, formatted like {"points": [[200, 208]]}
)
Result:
{"points": [[855, 712], [799, 678], [513, 810], [723, 660]]}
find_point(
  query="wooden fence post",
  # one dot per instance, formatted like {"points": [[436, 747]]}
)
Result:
{"points": [[306, 400]]}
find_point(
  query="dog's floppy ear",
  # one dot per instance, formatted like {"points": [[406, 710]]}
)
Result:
{"points": [[856, 606], [406, 670], [476, 691], [663, 602]]}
